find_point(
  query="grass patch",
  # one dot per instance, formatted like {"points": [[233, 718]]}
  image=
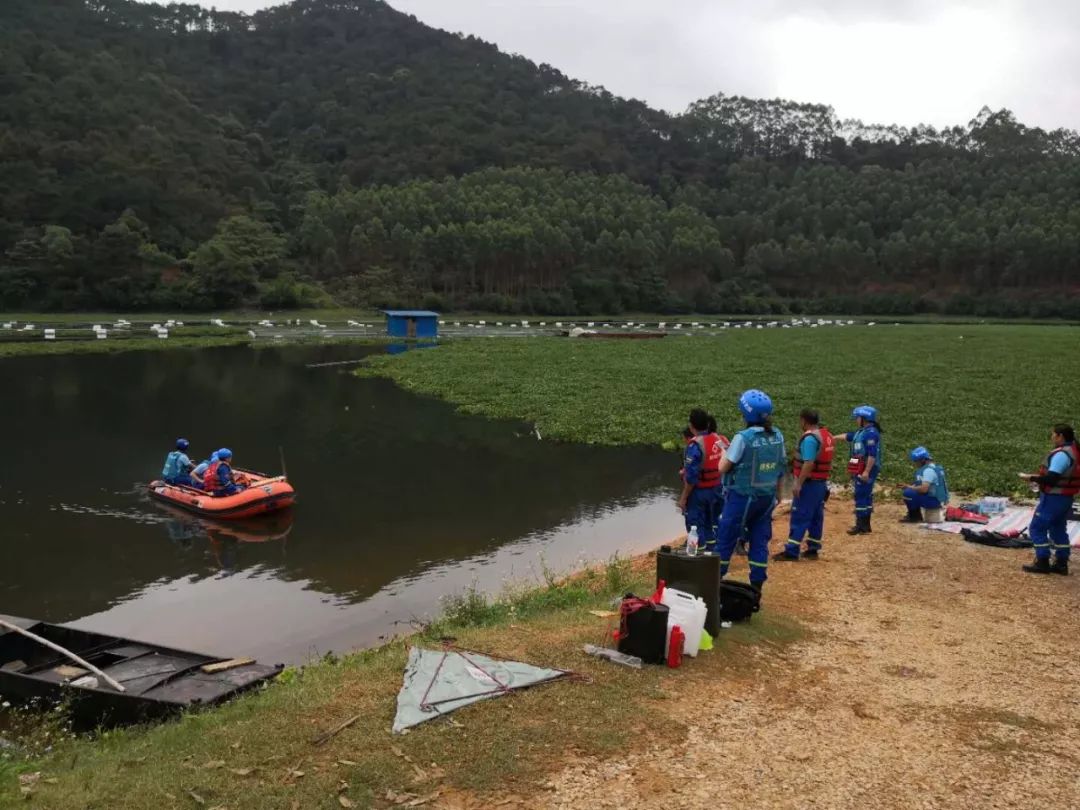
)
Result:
{"points": [[257, 752], [41, 347], [961, 391]]}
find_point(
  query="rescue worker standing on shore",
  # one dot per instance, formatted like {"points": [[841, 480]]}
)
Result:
{"points": [[864, 464], [1059, 484], [701, 497], [752, 468], [177, 469], [813, 463], [930, 490]]}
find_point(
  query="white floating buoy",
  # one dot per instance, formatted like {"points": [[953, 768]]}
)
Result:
{"points": [[662, 324], [50, 334], [558, 324], [102, 334], [163, 334], [251, 334]]}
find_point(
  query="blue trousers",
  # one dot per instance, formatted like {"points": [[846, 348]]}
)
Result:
{"points": [[702, 510], [184, 480], [754, 514], [919, 500], [807, 517], [864, 495], [1049, 528]]}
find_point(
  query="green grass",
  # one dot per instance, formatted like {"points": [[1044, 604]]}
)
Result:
{"points": [[982, 398], [248, 754], [38, 347]]}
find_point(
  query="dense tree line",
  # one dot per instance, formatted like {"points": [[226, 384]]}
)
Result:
{"points": [[172, 156]]}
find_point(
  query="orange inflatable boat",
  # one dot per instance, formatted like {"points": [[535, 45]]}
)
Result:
{"points": [[263, 494]]}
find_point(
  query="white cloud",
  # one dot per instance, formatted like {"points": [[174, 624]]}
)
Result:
{"points": [[886, 61]]}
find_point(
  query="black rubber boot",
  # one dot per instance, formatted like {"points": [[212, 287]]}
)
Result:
{"points": [[912, 517], [862, 525], [1040, 566], [1060, 567], [810, 554], [783, 556]]}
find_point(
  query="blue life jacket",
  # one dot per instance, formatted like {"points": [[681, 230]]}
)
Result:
{"points": [[940, 488], [176, 464], [761, 465]]}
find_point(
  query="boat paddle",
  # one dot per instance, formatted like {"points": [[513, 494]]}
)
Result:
{"points": [[67, 653]]}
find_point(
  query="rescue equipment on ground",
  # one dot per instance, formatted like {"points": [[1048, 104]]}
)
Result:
{"points": [[643, 625], [686, 612], [437, 682], [739, 601], [698, 576], [675, 647]]}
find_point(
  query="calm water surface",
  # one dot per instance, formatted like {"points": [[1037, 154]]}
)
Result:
{"points": [[401, 501]]}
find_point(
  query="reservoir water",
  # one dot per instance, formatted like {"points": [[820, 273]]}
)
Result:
{"points": [[402, 501]]}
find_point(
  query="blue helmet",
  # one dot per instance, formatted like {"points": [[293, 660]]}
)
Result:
{"points": [[919, 454], [867, 412], [224, 453], [755, 406], [182, 444]]}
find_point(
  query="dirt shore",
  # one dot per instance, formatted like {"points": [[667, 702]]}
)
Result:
{"points": [[936, 674]]}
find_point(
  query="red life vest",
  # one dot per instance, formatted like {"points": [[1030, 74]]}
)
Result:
{"points": [[712, 447], [826, 451], [210, 477], [1068, 484]]}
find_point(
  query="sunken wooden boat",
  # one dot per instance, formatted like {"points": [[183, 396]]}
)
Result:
{"points": [[157, 682]]}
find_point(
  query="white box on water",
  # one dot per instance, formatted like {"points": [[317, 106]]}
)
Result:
{"points": [[688, 612]]}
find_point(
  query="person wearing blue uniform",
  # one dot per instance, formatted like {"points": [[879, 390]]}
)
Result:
{"points": [[810, 490], [930, 489], [701, 496], [177, 469], [1059, 484], [752, 468], [864, 465], [219, 478], [200, 471]]}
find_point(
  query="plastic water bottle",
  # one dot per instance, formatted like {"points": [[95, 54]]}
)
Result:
{"points": [[692, 542]]}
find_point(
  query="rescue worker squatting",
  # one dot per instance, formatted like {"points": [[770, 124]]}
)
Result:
{"points": [[810, 490], [1059, 483], [930, 489], [752, 467], [702, 497], [864, 464]]}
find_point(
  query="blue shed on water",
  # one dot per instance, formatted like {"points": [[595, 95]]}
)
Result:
{"points": [[412, 323]]}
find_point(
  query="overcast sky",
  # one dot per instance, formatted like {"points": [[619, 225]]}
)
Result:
{"points": [[885, 61]]}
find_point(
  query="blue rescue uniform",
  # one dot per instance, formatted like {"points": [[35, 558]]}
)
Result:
{"points": [[704, 503], [226, 484], [750, 497], [808, 508], [865, 444], [1049, 530], [934, 498], [177, 468]]}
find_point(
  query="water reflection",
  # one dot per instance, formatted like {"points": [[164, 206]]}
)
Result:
{"points": [[395, 491]]}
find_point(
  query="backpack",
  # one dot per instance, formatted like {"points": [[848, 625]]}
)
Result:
{"points": [[738, 601]]}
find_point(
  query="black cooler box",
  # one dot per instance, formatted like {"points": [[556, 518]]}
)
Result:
{"points": [[698, 575]]}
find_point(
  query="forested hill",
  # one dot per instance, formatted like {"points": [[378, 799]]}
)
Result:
{"points": [[174, 157]]}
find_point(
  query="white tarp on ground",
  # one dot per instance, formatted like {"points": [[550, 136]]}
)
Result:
{"points": [[439, 681], [1013, 519]]}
